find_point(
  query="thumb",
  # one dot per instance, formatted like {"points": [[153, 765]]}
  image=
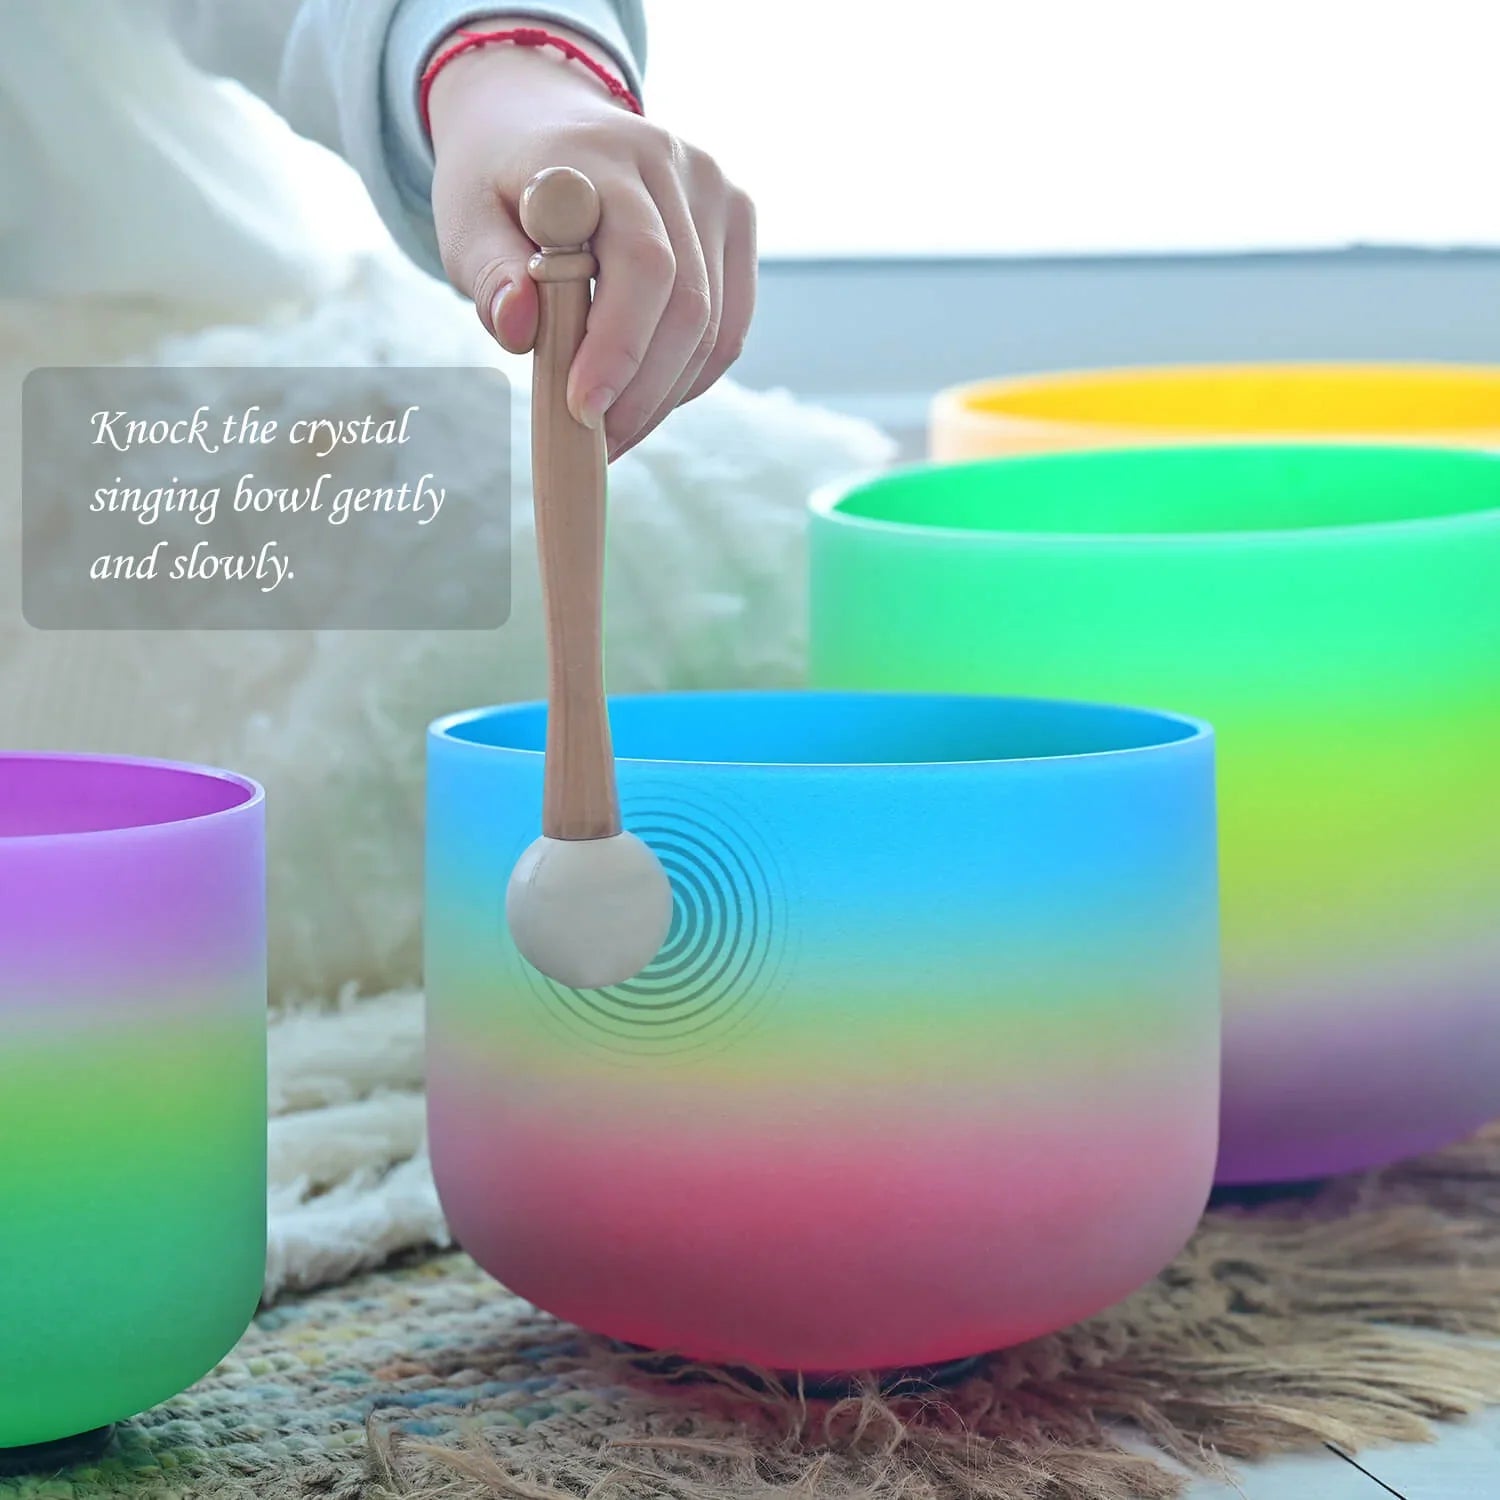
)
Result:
{"points": [[488, 264]]}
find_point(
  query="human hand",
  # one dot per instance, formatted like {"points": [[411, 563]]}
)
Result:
{"points": [[676, 242]]}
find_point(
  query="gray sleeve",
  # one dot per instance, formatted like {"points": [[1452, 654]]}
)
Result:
{"points": [[346, 73], [418, 26]]}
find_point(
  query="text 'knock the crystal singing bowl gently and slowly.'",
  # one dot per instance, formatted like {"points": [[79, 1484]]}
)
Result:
{"points": [[1334, 612], [928, 1062], [132, 1086]]}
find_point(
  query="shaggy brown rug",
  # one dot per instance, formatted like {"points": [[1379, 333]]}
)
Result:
{"points": [[1356, 1316]]}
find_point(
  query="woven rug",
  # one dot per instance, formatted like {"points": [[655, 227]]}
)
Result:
{"points": [[1359, 1315]]}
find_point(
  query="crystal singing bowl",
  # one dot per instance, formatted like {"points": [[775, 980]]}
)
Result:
{"points": [[1448, 405], [927, 1065], [132, 1085], [1334, 612]]}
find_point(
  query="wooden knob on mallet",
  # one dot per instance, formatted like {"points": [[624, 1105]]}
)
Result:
{"points": [[588, 904]]}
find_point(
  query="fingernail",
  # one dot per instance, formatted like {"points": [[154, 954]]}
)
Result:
{"points": [[595, 404], [497, 301]]}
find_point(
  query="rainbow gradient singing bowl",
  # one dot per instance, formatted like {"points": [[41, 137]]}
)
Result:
{"points": [[1424, 404], [1334, 612], [132, 1089], [927, 1065]]}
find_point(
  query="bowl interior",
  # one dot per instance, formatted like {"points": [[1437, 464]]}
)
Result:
{"points": [[840, 729], [44, 795], [1213, 490], [1347, 399]]}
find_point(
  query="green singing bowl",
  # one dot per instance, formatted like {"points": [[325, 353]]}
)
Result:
{"points": [[1334, 612]]}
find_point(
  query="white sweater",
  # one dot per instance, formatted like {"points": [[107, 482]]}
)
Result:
{"points": [[347, 73]]}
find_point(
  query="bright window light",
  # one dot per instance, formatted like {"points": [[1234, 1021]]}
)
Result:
{"points": [[958, 127]]}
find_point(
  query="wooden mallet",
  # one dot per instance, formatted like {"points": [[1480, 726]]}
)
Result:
{"points": [[588, 904]]}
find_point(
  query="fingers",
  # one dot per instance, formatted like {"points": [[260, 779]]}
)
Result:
{"points": [[485, 254], [735, 288], [513, 314], [688, 320], [636, 277], [736, 302], [706, 216], [739, 292]]}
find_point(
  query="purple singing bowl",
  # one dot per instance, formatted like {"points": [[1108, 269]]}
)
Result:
{"points": [[132, 1085]]}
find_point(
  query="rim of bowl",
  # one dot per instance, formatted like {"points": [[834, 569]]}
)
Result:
{"points": [[964, 398], [442, 730], [256, 793], [825, 500]]}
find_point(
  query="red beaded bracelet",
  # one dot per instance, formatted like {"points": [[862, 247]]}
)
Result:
{"points": [[521, 36]]}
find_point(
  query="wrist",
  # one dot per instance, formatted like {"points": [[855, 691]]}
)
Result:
{"points": [[501, 21], [538, 73]]}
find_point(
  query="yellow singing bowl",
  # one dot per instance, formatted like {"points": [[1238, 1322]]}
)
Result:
{"points": [[1431, 404]]}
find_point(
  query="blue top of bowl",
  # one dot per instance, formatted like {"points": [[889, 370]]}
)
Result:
{"points": [[847, 730]]}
